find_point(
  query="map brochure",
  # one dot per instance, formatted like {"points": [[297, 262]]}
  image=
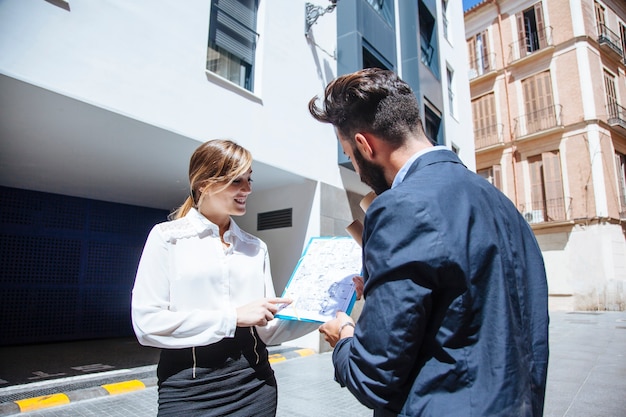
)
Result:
{"points": [[321, 283]]}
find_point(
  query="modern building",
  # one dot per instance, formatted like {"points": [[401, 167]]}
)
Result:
{"points": [[548, 86], [103, 102]]}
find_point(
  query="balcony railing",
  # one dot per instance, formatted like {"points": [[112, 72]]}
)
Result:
{"points": [[537, 121], [606, 37], [530, 43], [553, 210], [482, 65], [617, 115], [488, 136]]}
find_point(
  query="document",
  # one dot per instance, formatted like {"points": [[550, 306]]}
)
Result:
{"points": [[321, 283]]}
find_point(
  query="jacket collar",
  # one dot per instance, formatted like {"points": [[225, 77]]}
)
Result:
{"points": [[443, 155]]}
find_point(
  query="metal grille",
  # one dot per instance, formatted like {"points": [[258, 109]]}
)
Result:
{"points": [[68, 265], [274, 219]]}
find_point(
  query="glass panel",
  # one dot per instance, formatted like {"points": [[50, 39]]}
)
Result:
{"points": [[232, 40], [384, 8]]}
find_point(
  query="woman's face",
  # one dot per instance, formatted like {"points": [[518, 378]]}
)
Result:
{"points": [[218, 203]]}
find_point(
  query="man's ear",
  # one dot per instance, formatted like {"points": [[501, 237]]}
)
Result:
{"points": [[365, 145]]}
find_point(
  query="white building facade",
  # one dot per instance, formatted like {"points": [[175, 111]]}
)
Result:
{"points": [[102, 104]]}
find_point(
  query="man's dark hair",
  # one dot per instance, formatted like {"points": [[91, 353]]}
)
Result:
{"points": [[371, 100]]}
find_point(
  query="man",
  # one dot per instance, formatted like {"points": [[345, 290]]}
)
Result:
{"points": [[455, 319]]}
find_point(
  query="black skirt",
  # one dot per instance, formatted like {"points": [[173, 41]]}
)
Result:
{"points": [[230, 378]]}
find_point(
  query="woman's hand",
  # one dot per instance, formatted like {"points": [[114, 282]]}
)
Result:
{"points": [[260, 312]]}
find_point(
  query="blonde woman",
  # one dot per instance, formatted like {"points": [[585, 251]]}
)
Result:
{"points": [[204, 295]]}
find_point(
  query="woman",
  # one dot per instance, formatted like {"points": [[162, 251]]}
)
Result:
{"points": [[204, 294]]}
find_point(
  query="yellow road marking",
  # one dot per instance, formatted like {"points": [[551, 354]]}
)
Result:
{"points": [[123, 387], [276, 358], [305, 352], [44, 401]]}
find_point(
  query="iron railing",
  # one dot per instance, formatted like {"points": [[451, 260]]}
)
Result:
{"points": [[542, 211], [622, 202], [617, 115], [609, 38], [539, 120], [530, 42], [489, 136], [482, 65]]}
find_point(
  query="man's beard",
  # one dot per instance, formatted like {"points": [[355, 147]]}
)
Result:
{"points": [[371, 174]]}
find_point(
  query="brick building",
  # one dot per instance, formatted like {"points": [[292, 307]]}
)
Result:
{"points": [[548, 90]]}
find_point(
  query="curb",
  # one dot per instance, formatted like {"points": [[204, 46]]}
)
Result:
{"points": [[117, 388], [283, 356], [55, 400]]}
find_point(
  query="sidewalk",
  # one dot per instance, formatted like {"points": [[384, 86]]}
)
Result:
{"points": [[17, 399], [586, 378]]}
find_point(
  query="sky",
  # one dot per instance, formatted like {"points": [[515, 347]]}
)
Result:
{"points": [[469, 3]]}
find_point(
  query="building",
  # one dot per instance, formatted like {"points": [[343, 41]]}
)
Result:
{"points": [[548, 86], [102, 104]]}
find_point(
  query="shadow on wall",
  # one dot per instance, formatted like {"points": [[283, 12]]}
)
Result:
{"points": [[285, 244]]}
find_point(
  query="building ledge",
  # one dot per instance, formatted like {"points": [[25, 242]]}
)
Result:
{"points": [[535, 55], [478, 78], [539, 134], [488, 148]]}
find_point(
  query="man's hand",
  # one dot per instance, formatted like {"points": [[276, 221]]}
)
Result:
{"points": [[358, 284], [336, 329], [260, 312]]}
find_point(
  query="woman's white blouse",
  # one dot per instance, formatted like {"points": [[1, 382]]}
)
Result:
{"points": [[188, 286]]}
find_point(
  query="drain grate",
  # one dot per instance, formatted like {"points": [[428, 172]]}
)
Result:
{"points": [[73, 386]]}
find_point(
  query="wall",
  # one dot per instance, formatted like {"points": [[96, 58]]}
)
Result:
{"points": [[116, 55], [68, 266]]}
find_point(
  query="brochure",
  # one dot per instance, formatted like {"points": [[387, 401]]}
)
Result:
{"points": [[321, 283]]}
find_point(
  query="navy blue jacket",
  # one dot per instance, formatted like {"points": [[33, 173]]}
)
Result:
{"points": [[455, 319]]}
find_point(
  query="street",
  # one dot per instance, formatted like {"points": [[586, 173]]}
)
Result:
{"points": [[586, 378]]}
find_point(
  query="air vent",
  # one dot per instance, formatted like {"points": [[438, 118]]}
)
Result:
{"points": [[274, 219]]}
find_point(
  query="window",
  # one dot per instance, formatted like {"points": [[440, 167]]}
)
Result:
{"points": [[478, 52], [622, 30], [620, 161], [450, 77], [444, 15], [600, 20], [492, 174], [432, 124], [539, 107], [612, 106], [428, 39], [232, 40], [372, 59], [486, 131], [531, 30], [384, 8], [546, 188]]}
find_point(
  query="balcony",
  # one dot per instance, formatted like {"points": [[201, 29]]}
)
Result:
{"points": [[531, 43], [482, 65], [544, 211], [540, 121], [617, 116], [609, 40], [489, 136]]}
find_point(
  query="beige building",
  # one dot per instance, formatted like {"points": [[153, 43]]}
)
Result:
{"points": [[548, 90]]}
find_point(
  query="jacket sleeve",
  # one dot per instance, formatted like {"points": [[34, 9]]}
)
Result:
{"points": [[405, 265], [154, 323]]}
